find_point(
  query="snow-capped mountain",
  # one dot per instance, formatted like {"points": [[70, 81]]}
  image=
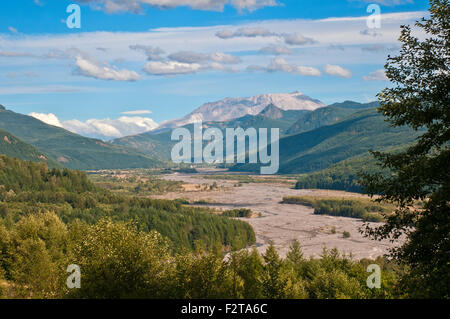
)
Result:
{"points": [[232, 108]]}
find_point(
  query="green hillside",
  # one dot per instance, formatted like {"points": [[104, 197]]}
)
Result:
{"points": [[13, 147], [327, 116], [320, 148], [341, 176], [28, 188], [159, 144], [69, 149]]}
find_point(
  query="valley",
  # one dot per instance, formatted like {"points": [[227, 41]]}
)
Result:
{"points": [[280, 223]]}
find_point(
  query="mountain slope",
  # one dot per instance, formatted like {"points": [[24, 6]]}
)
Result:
{"points": [[11, 146], [233, 108], [327, 116], [69, 149], [159, 144], [320, 148]]}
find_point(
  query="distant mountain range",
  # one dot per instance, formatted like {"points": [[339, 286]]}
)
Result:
{"points": [[61, 146], [313, 136], [233, 108], [158, 143], [327, 145]]}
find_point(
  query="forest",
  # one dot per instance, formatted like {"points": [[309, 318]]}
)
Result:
{"points": [[134, 247]]}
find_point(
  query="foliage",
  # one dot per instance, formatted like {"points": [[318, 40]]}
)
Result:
{"points": [[13, 147], [365, 209], [117, 260], [419, 98], [28, 188], [238, 213], [328, 145]]}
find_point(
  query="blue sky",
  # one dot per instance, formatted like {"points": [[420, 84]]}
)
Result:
{"points": [[133, 55]]}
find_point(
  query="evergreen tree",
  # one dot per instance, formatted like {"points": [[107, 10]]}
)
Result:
{"points": [[420, 98]]}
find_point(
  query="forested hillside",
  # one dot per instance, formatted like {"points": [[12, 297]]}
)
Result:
{"points": [[13, 147], [28, 188], [328, 145], [327, 116], [69, 149]]}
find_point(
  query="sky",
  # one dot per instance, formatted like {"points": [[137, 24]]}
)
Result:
{"points": [[135, 63]]}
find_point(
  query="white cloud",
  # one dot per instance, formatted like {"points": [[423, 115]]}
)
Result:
{"points": [[135, 6], [247, 32], [188, 57], [331, 31], [276, 50], [378, 75], [91, 68], [195, 57], [171, 68], [49, 118], [13, 30], [137, 112], [220, 57], [296, 39], [152, 53], [338, 71], [281, 65], [107, 128]]}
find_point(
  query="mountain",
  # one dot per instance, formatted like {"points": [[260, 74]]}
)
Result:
{"points": [[345, 175], [327, 115], [11, 146], [69, 149], [158, 143], [355, 105], [233, 108], [322, 147]]}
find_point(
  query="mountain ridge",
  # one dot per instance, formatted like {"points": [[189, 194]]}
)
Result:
{"points": [[232, 108], [69, 149]]}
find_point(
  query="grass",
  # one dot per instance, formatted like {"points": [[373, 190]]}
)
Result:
{"points": [[363, 208]]}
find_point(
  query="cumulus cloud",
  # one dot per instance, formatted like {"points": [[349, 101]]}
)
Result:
{"points": [[135, 6], [103, 128], [252, 5], [171, 68], [276, 50], [195, 57], [281, 65], [188, 57], [225, 58], [296, 39], [107, 128], [152, 53], [378, 75], [338, 71], [92, 68], [253, 32], [248, 32], [137, 112], [49, 118]]}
